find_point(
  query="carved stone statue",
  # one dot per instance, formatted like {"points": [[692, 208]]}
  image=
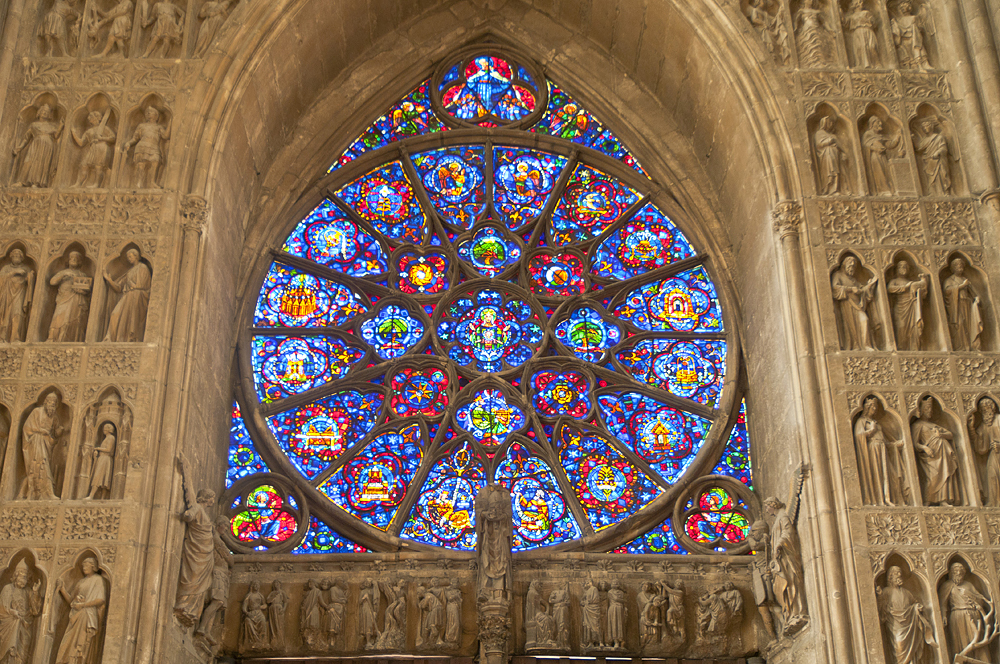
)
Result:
{"points": [[559, 604], [877, 147], [96, 142], [830, 157], [786, 557], [73, 286], [104, 465], [650, 602], [393, 636], [167, 20], [39, 435], [334, 608], [719, 611], [494, 537], [967, 614], [675, 609], [853, 299], [932, 146], [213, 14], [120, 18], [902, 615], [128, 318], [197, 553], [770, 28], [616, 616], [592, 617], [253, 628], [937, 459], [907, 34], [863, 43], [965, 316], [368, 600], [40, 140], [277, 603], [55, 27], [19, 606], [760, 572], [431, 608], [532, 606], [311, 615], [907, 307], [148, 155], [17, 284], [879, 462], [453, 613], [218, 594], [985, 439], [812, 33], [86, 616]]}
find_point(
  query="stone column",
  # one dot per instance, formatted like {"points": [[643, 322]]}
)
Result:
{"points": [[494, 530]]}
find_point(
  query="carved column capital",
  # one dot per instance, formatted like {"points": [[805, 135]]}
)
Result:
{"points": [[991, 197], [787, 218], [194, 213]]}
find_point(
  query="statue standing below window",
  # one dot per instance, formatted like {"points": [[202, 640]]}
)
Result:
{"points": [[853, 298], [197, 553]]}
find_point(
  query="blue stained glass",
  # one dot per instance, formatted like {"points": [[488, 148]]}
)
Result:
{"points": [[321, 538], [565, 118], [735, 460], [392, 331], [444, 512], [489, 251], [451, 74], [283, 366], [243, 458], [372, 484], [523, 74], [587, 334], [411, 116], [488, 92], [386, 198], [454, 180], [490, 418], [522, 183], [541, 516], [686, 302], [291, 298], [591, 202], [488, 332], [666, 438], [660, 539], [316, 434], [693, 369], [647, 241], [609, 488], [330, 238]]}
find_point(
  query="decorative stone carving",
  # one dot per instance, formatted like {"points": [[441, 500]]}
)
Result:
{"points": [[311, 616], [651, 600], [277, 603], [148, 139], [786, 556], [787, 218], [96, 142], [961, 299], [616, 616], [430, 632], [72, 300], [863, 43], [898, 223], [127, 321], [494, 637], [880, 464], [91, 523], [936, 457], [952, 223], [880, 143], [720, 610], [56, 27], [334, 607], [925, 371], [831, 158], [494, 536], [906, 626], [875, 85], [167, 20], [453, 613], [37, 149], [253, 628], [20, 604], [120, 18], [87, 601], [761, 575], [538, 622], [211, 616], [592, 617], [17, 284], [41, 432], [967, 614], [853, 300], [845, 222], [393, 635], [813, 35], [984, 433], [935, 156], [212, 14], [955, 528], [907, 34], [197, 553], [869, 371], [765, 17], [907, 296]]}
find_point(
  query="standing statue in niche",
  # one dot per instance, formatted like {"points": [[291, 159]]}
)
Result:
{"points": [[334, 608], [41, 431], [811, 31], [213, 14], [55, 27], [863, 43], [73, 286], [311, 615], [277, 602], [104, 465], [965, 316], [40, 141], [878, 459], [96, 143], [907, 34], [19, 606], [907, 307], [253, 630], [986, 442], [494, 539], [592, 617], [877, 146], [771, 30], [128, 319], [167, 31], [650, 602], [86, 616], [453, 613], [120, 18], [675, 610], [908, 630], [967, 614], [368, 600], [198, 551], [532, 607], [393, 636], [932, 146], [616, 616], [937, 459], [148, 154], [760, 573], [17, 283], [431, 608], [559, 603], [218, 594], [786, 556], [853, 298], [829, 157]]}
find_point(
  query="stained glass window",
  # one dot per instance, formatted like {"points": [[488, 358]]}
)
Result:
{"points": [[501, 304]]}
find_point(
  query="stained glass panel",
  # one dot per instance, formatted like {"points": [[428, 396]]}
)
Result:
{"points": [[244, 460], [683, 303], [592, 201], [291, 298], [454, 179], [386, 198], [284, 366], [373, 483], [560, 393], [392, 331], [660, 539], [422, 274], [718, 519], [487, 90], [556, 274], [488, 331], [315, 434], [264, 518], [330, 238], [587, 334], [490, 418], [321, 538], [735, 460], [645, 242], [522, 183], [444, 514], [489, 251], [693, 369], [419, 392]]}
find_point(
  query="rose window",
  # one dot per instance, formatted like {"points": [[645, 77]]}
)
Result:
{"points": [[493, 291]]}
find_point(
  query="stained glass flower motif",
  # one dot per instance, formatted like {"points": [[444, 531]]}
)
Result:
{"points": [[488, 331], [419, 392], [392, 331], [328, 237], [291, 298], [454, 181], [645, 242], [422, 273], [660, 539], [560, 393], [264, 519], [244, 460], [717, 520], [372, 484], [587, 334], [735, 460], [444, 512], [489, 251], [321, 538], [541, 516], [592, 201], [284, 365], [522, 183], [693, 369], [684, 303], [490, 418], [557, 274], [487, 92], [386, 198]]}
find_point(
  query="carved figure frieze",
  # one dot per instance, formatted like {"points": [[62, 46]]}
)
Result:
{"points": [[120, 33], [936, 456], [720, 610], [592, 617], [881, 143], [393, 634], [908, 295], [197, 552], [148, 139], [908, 36], [936, 155], [333, 607], [167, 22], [453, 613], [880, 460], [853, 292], [311, 615], [210, 622], [17, 285], [761, 576], [968, 615], [253, 621], [786, 557], [831, 157], [905, 621], [58, 29], [861, 25], [72, 285], [984, 433], [42, 432], [20, 605], [212, 14], [765, 17], [35, 154], [812, 32], [96, 141], [961, 299], [87, 601], [127, 320], [430, 633]]}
